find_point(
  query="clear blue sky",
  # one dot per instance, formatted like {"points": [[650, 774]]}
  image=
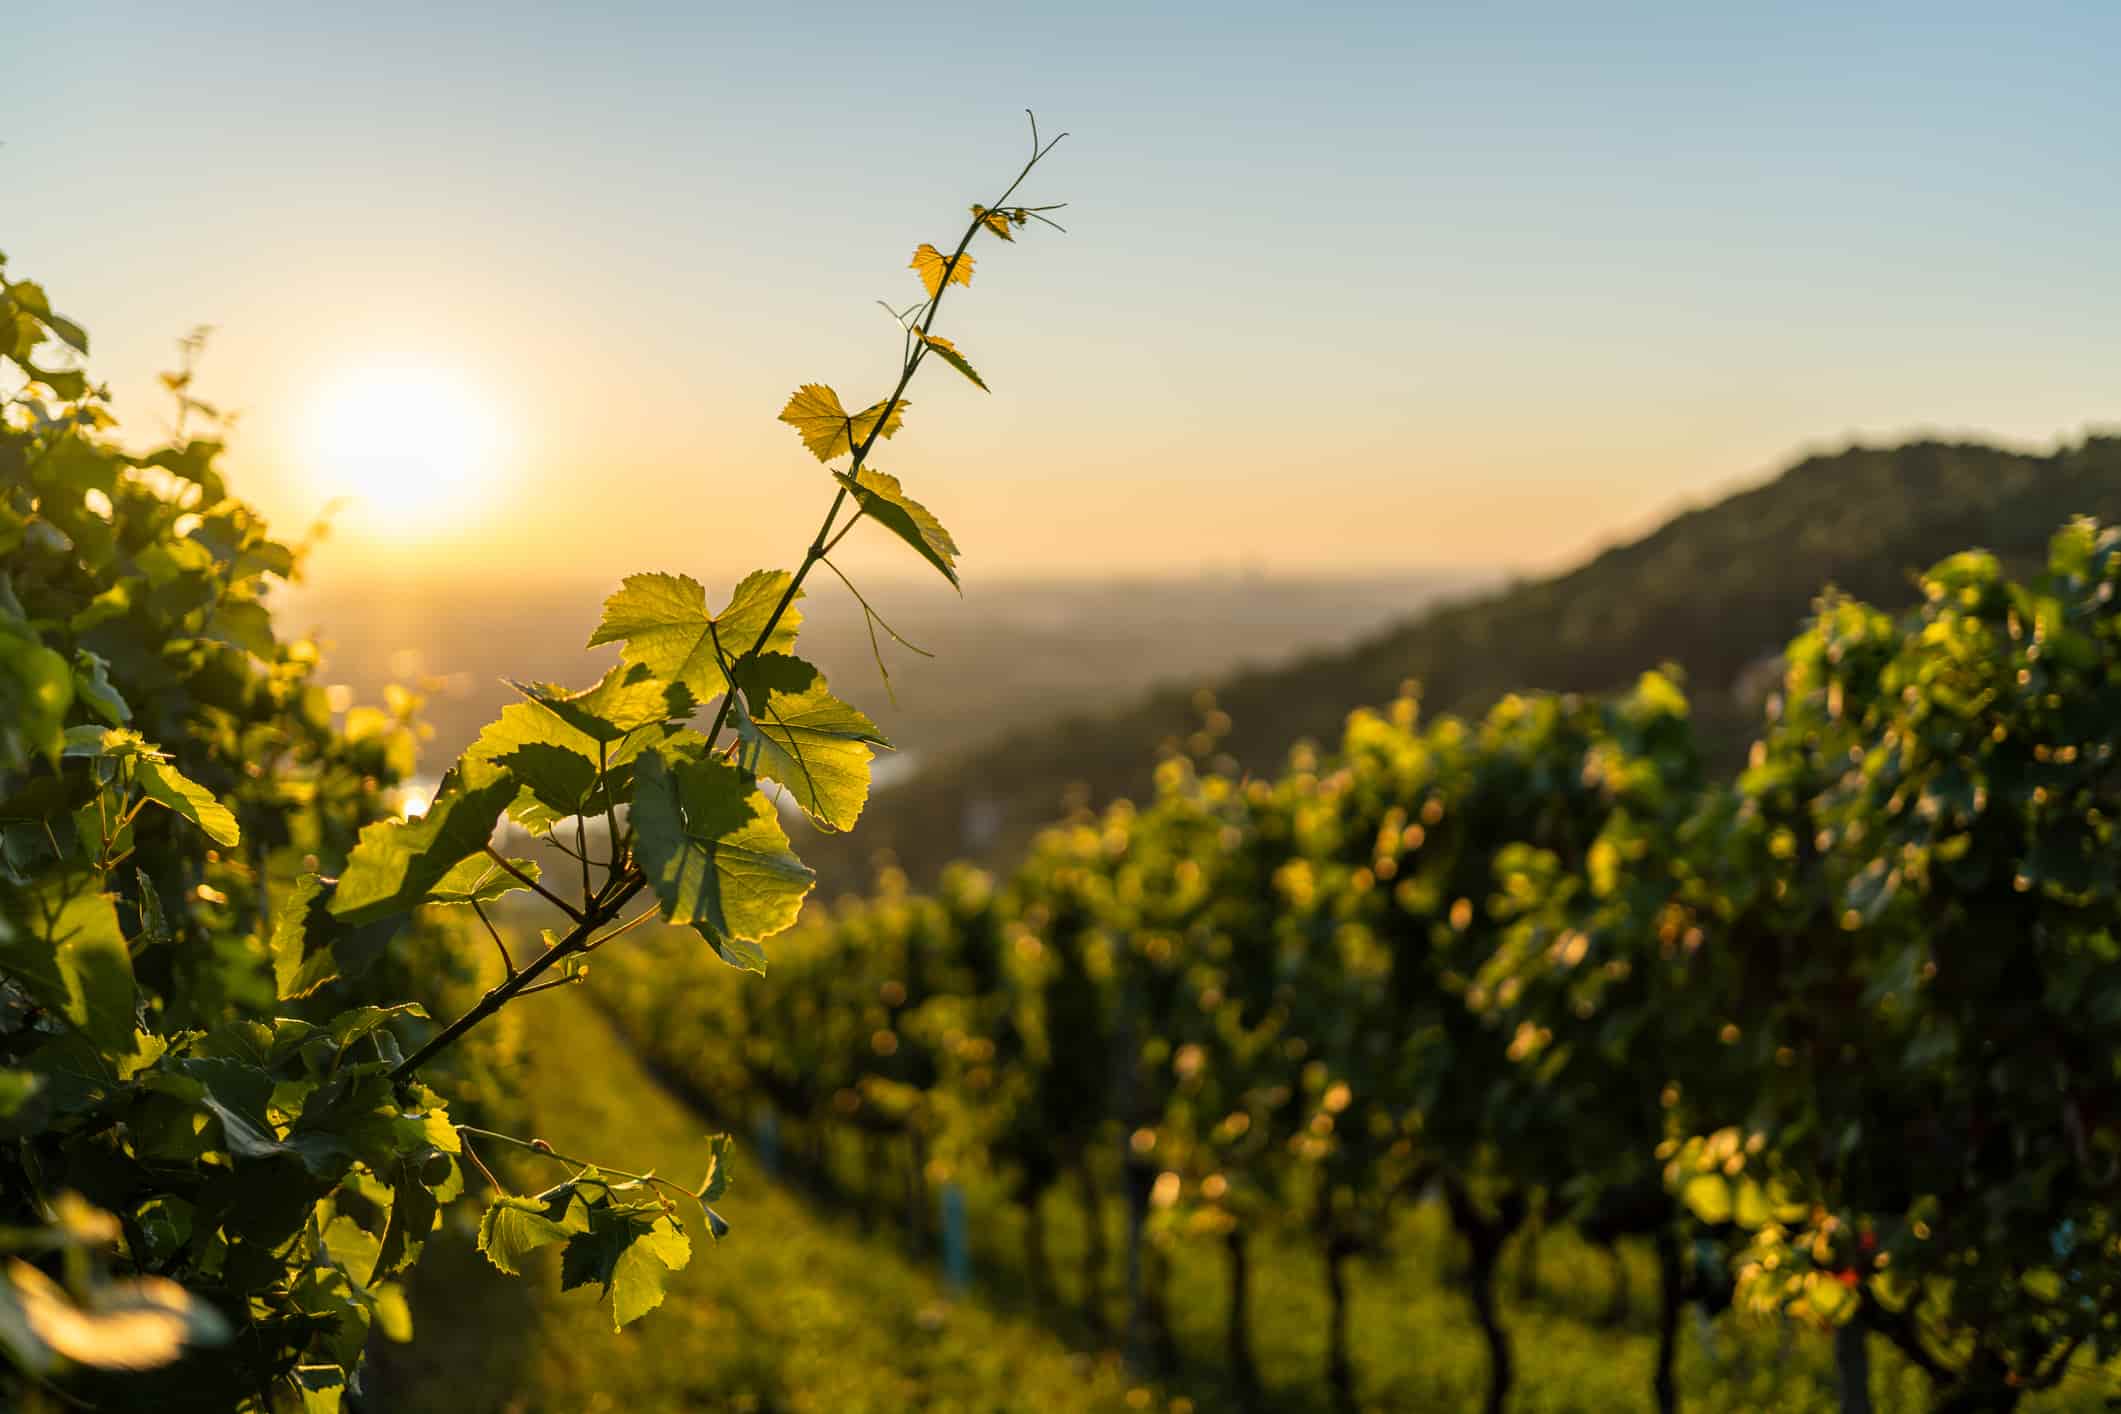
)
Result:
{"points": [[1345, 288]]}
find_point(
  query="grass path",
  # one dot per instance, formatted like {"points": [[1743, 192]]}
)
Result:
{"points": [[803, 1309], [790, 1312]]}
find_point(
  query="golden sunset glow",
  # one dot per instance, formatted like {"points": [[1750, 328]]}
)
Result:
{"points": [[403, 442]]}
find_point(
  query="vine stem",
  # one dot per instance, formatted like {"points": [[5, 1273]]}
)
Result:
{"points": [[819, 547], [533, 885], [602, 911], [540, 1147]]}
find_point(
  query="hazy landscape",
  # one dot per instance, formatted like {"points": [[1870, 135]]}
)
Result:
{"points": [[1215, 710]]}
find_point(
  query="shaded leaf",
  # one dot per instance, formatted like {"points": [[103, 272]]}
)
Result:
{"points": [[630, 1251], [310, 946]]}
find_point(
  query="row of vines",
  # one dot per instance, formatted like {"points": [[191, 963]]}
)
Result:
{"points": [[1847, 1019]]}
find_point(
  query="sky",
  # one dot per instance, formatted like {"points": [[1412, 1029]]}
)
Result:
{"points": [[1344, 288]]}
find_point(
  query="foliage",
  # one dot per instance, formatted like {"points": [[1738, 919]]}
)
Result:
{"points": [[1846, 1017], [225, 1156], [1714, 591]]}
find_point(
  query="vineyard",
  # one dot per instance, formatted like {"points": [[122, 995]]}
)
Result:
{"points": [[1823, 1047], [1833, 1038]]}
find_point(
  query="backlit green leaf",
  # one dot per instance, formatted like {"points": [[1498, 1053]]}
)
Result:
{"points": [[811, 742], [715, 854], [663, 621], [397, 862], [63, 944], [481, 879], [513, 1228], [829, 430], [166, 785]]}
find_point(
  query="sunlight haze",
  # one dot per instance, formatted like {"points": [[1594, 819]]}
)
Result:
{"points": [[1357, 290]]}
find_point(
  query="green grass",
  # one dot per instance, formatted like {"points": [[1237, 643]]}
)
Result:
{"points": [[807, 1308]]}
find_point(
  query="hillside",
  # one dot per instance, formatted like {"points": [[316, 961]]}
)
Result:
{"points": [[1714, 590]]}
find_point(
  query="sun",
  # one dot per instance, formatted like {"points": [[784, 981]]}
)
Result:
{"points": [[409, 444]]}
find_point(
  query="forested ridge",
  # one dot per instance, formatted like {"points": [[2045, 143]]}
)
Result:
{"points": [[1712, 591]]}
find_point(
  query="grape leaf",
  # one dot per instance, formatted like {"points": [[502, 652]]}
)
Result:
{"points": [[622, 702], [828, 429], [396, 862], [717, 857], [92, 685], [802, 736], [166, 785], [935, 268], [663, 621], [480, 879], [884, 500], [67, 950], [947, 352], [513, 1228], [552, 760], [310, 947], [629, 1250], [716, 1183], [995, 221]]}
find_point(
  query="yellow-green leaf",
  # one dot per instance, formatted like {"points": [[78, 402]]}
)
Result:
{"points": [[166, 785], [715, 853], [886, 502], [947, 352], [814, 744], [396, 862], [828, 429], [937, 269], [997, 222], [663, 621]]}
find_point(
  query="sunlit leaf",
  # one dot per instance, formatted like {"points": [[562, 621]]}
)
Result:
{"points": [[513, 1228], [947, 352], [995, 222], [811, 742], [63, 944], [397, 862], [934, 268], [141, 1324], [715, 853], [481, 879], [663, 621], [886, 501], [828, 429], [622, 702], [166, 785]]}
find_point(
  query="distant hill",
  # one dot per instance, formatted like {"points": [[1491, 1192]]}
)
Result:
{"points": [[1716, 590], [1007, 654]]}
